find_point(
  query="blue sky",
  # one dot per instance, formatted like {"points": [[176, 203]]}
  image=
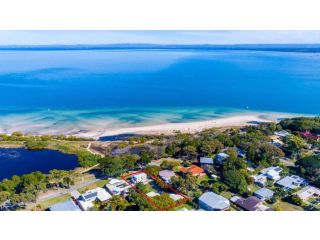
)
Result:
{"points": [[157, 37]]}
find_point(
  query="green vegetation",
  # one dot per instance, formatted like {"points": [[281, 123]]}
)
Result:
{"points": [[46, 204], [302, 124]]}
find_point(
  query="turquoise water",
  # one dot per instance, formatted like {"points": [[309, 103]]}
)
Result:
{"points": [[67, 90]]}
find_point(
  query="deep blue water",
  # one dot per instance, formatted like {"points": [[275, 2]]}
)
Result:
{"points": [[132, 86], [19, 161]]}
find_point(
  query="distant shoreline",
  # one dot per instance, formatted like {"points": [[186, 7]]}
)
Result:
{"points": [[253, 47]]}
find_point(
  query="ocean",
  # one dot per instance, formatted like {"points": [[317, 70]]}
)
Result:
{"points": [[70, 91]]}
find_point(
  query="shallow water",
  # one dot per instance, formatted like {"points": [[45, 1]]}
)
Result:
{"points": [[70, 91]]}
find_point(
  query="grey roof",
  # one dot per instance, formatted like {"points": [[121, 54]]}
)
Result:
{"points": [[68, 205], [206, 160], [214, 201], [291, 182], [167, 174], [264, 193]]}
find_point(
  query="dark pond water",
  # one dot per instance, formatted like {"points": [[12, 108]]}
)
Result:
{"points": [[19, 161]]}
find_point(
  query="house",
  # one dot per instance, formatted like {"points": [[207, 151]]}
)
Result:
{"points": [[140, 177], [264, 194], [272, 173], [310, 136], [282, 133], [193, 169], [211, 201], [250, 204], [87, 199], [308, 192], [166, 175], [260, 180], [68, 205], [117, 187], [292, 182], [206, 161], [221, 157]]}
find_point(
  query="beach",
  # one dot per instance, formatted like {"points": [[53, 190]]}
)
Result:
{"points": [[190, 127]]}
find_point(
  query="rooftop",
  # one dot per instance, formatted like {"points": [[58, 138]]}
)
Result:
{"points": [[214, 200], [166, 174], [264, 193], [68, 205], [193, 169], [291, 182], [206, 160]]}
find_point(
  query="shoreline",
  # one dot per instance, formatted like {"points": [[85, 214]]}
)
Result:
{"points": [[189, 127]]}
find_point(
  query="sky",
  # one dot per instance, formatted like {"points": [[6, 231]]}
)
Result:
{"points": [[158, 37]]}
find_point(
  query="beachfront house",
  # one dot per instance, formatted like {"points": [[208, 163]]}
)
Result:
{"points": [[166, 175], [211, 201], [139, 177], [292, 182], [308, 192], [68, 205], [221, 157], [87, 199], [117, 187], [264, 194]]}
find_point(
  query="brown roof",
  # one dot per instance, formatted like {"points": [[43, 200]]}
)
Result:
{"points": [[193, 169], [249, 204]]}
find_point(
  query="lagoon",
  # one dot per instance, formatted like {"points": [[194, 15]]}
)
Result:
{"points": [[19, 161]]}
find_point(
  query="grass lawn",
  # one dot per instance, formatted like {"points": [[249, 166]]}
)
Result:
{"points": [[253, 187], [187, 206], [226, 194], [285, 206], [46, 204], [100, 183]]}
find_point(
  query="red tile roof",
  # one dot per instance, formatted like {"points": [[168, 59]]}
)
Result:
{"points": [[309, 135], [193, 169]]}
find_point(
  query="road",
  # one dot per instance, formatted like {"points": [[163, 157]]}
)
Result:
{"points": [[60, 192]]}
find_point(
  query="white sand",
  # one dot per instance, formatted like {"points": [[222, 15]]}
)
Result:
{"points": [[192, 127]]}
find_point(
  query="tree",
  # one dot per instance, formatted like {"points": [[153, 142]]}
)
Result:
{"points": [[36, 144], [264, 152], [296, 200], [190, 151], [112, 166], [209, 147], [236, 181], [295, 143], [139, 202], [146, 155], [118, 203], [4, 195], [154, 170], [87, 159], [163, 201]]}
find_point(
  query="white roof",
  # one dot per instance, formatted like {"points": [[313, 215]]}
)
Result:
{"points": [[175, 197], [95, 194], [139, 175], [308, 192], [152, 194]]}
